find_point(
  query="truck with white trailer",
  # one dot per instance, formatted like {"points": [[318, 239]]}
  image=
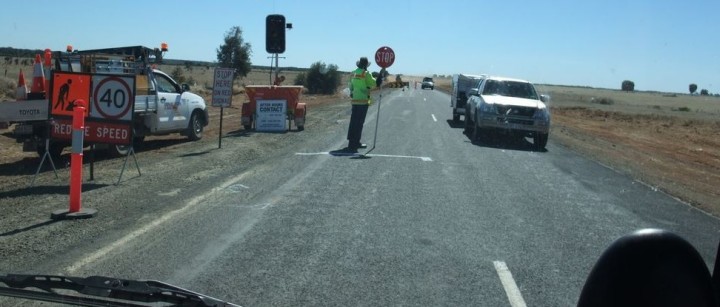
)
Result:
{"points": [[461, 85]]}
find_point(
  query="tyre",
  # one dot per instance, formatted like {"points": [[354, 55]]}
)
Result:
{"points": [[300, 128], [432, 88], [540, 140], [456, 118], [195, 127], [466, 125], [118, 150], [475, 131], [247, 127]]}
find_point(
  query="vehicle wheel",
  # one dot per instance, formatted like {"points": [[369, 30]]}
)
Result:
{"points": [[456, 118], [247, 127], [118, 150], [475, 132], [432, 88], [300, 128], [195, 127], [540, 140], [55, 150]]}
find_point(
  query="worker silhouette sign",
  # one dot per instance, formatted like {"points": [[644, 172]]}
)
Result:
{"points": [[67, 88], [63, 96]]}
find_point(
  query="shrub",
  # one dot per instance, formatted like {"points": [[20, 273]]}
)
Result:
{"points": [[628, 86], [300, 79], [178, 75], [8, 87], [692, 88], [683, 109], [704, 92], [322, 78], [602, 100]]}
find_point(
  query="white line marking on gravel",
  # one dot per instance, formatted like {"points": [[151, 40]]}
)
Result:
{"points": [[511, 289], [356, 154], [433, 115]]}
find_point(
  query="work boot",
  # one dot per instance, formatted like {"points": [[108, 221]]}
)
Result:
{"points": [[358, 145]]}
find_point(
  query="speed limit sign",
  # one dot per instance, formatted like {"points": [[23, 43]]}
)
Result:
{"points": [[113, 97]]}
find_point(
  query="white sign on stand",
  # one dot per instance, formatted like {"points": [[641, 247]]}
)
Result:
{"points": [[271, 115], [222, 87]]}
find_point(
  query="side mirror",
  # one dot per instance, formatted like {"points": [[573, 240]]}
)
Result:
{"points": [[473, 92], [185, 87], [545, 98]]}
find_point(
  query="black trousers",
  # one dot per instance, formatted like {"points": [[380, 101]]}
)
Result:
{"points": [[357, 119]]}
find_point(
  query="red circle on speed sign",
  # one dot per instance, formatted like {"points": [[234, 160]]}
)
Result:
{"points": [[385, 56], [113, 98]]}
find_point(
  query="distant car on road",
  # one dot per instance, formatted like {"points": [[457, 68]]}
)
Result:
{"points": [[508, 105], [427, 82]]}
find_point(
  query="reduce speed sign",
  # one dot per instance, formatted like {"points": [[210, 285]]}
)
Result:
{"points": [[113, 97]]}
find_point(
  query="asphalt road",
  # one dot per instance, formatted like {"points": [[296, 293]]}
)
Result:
{"points": [[428, 218]]}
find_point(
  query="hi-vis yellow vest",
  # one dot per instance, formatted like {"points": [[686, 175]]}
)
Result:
{"points": [[360, 85]]}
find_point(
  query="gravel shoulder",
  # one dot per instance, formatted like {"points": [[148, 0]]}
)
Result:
{"points": [[173, 171]]}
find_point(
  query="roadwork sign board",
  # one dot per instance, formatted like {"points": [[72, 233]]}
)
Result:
{"points": [[222, 87], [65, 88], [110, 106], [271, 115]]}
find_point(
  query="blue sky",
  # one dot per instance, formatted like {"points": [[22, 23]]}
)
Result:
{"points": [[660, 45]]}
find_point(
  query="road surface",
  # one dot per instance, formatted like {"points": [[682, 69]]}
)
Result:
{"points": [[428, 218]]}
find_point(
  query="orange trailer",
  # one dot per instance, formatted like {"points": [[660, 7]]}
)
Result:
{"points": [[296, 110]]}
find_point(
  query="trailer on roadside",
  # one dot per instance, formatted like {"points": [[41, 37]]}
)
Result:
{"points": [[461, 85]]}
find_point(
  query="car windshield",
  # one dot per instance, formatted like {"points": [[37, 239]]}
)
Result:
{"points": [[344, 153], [510, 88]]}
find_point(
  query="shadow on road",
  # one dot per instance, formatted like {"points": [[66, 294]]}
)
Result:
{"points": [[28, 166], [455, 124], [47, 190], [31, 227], [509, 142]]}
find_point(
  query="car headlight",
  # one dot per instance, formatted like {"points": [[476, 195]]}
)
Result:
{"points": [[488, 108], [542, 115]]}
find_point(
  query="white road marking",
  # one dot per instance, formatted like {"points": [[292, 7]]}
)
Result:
{"points": [[511, 289], [433, 116], [352, 154], [192, 204]]}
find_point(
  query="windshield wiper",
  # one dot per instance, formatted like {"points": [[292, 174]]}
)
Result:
{"points": [[101, 291]]}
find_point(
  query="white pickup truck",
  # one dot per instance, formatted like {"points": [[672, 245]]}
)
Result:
{"points": [[162, 106], [508, 105]]}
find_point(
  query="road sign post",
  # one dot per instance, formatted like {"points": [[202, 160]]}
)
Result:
{"points": [[222, 93], [384, 57]]}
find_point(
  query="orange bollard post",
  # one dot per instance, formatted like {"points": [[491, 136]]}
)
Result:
{"points": [[47, 66], [76, 161]]}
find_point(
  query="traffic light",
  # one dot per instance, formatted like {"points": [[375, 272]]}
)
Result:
{"points": [[275, 33]]}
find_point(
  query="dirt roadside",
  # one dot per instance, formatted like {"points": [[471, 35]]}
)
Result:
{"points": [[678, 156]]}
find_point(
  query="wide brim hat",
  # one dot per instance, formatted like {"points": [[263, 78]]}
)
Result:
{"points": [[363, 62]]}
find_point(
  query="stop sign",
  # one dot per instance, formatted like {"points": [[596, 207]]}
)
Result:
{"points": [[385, 57]]}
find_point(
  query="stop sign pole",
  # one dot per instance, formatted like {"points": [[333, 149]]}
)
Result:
{"points": [[384, 57]]}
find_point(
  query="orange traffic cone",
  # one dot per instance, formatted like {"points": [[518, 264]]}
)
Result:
{"points": [[38, 85], [21, 93]]}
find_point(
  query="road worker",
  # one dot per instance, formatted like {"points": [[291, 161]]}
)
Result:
{"points": [[361, 83]]}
